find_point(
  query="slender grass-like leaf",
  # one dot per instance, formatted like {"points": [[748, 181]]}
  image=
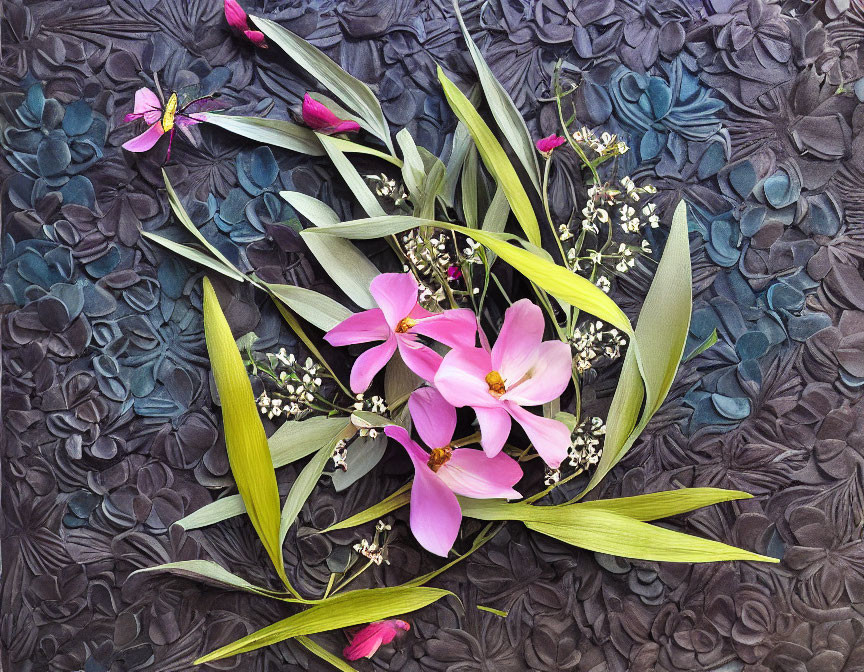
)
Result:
{"points": [[276, 132], [387, 505], [413, 170], [316, 308], [496, 215], [325, 655], [245, 439], [503, 109], [556, 280], [655, 350], [604, 532], [196, 256], [702, 347], [497, 612], [364, 453], [494, 158], [351, 147], [470, 176], [302, 488], [294, 440], [462, 142], [352, 178], [347, 266], [341, 611], [657, 505], [210, 573], [399, 383], [432, 185], [351, 91]]}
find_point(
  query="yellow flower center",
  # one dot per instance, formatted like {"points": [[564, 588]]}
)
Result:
{"points": [[170, 111], [404, 325], [439, 457], [495, 383]]}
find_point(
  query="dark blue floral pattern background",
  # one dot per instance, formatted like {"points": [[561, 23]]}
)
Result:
{"points": [[751, 110]]}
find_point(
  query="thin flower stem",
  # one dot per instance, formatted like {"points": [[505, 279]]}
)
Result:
{"points": [[548, 212], [543, 493], [352, 577], [467, 441]]}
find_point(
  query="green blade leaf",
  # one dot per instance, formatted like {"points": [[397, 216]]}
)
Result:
{"points": [[245, 439], [341, 611], [702, 347], [196, 256], [351, 147], [413, 170], [325, 655], [355, 182], [387, 505], [348, 267], [557, 280], [505, 112], [351, 91], [494, 158], [470, 175], [656, 505], [317, 309], [294, 440], [605, 532], [210, 573], [655, 349], [302, 488], [276, 132]]}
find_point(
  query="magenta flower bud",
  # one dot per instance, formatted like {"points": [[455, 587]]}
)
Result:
{"points": [[239, 22], [547, 144], [368, 640], [321, 118]]}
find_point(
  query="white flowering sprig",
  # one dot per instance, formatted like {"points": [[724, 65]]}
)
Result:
{"points": [[591, 341], [388, 189]]}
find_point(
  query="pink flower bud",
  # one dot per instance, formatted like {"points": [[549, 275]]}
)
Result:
{"points": [[547, 144], [366, 642]]}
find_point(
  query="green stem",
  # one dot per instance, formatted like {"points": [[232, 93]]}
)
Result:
{"points": [[548, 212]]}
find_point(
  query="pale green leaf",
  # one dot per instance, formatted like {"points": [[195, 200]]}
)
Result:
{"points": [[325, 655], [497, 612], [470, 176], [364, 453], [351, 147], [496, 215], [351, 91], [316, 308], [505, 112], [302, 488], [702, 347], [389, 504], [196, 256], [245, 439], [349, 268], [367, 419], [494, 158], [341, 611], [210, 573], [368, 201], [413, 170], [276, 132], [462, 142], [657, 505], [655, 350]]}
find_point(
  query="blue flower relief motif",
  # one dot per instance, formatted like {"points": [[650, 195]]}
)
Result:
{"points": [[50, 147], [664, 114], [253, 208]]}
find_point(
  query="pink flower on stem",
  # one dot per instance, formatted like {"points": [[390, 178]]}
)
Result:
{"points": [[398, 321], [445, 472], [319, 117], [368, 640], [238, 20], [547, 144], [161, 119], [521, 370]]}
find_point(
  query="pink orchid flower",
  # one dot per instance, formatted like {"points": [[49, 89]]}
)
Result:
{"points": [[446, 472], [161, 119], [319, 117], [238, 20], [521, 370], [398, 321], [550, 142], [368, 640]]}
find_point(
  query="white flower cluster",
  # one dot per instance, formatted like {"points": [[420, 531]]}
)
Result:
{"points": [[591, 341], [340, 455], [373, 404], [585, 446], [376, 550], [607, 145], [296, 385], [388, 188]]}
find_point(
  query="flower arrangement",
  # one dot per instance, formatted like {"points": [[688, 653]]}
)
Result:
{"points": [[448, 359]]}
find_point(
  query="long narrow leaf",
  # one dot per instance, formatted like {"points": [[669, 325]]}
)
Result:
{"points": [[387, 505], [276, 132], [494, 158], [210, 573], [342, 611], [245, 439], [314, 307], [302, 488], [506, 114], [351, 91], [657, 505], [196, 256], [325, 655], [557, 280], [352, 178]]}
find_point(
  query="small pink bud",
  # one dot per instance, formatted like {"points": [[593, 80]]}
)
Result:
{"points": [[319, 117], [547, 144], [368, 640], [239, 21], [454, 273]]}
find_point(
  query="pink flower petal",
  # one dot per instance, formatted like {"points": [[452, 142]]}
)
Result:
{"points": [[235, 16], [547, 379], [461, 378], [319, 117], [494, 428], [421, 359], [434, 419], [471, 473], [435, 514], [256, 37], [368, 640], [515, 351], [551, 438], [550, 142], [396, 294], [456, 328], [363, 327], [145, 141], [148, 105], [370, 363]]}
